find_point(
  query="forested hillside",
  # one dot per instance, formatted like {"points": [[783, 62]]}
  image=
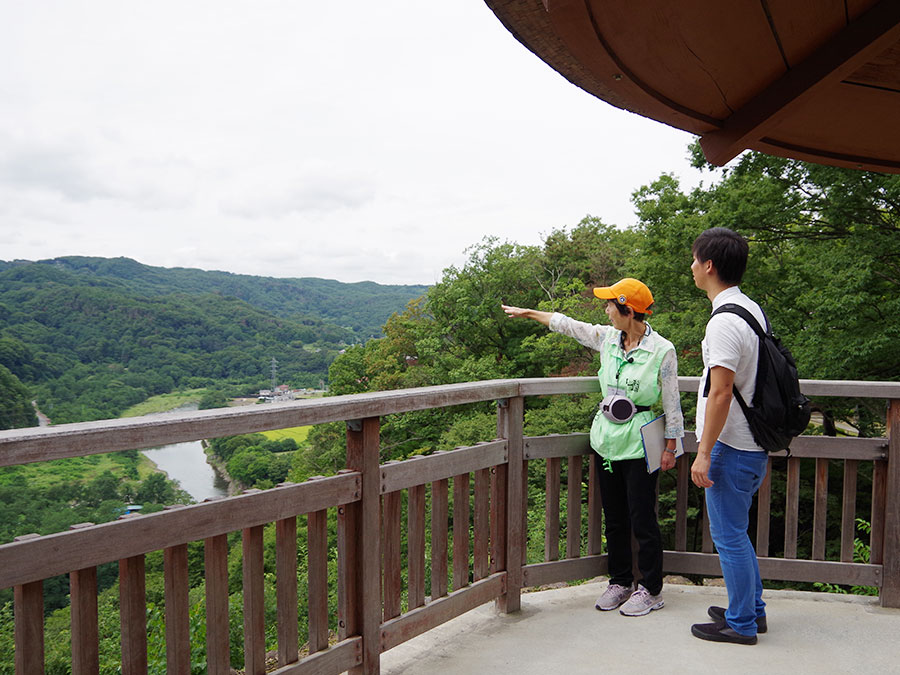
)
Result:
{"points": [[361, 307], [89, 337]]}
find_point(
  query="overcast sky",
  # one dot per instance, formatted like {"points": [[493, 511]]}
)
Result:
{"points": [[351, 141]]}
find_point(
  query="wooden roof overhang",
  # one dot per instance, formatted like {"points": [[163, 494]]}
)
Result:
{"points": [[817, 80]]}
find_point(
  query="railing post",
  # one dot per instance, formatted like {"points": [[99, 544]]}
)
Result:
{"points": [[363, 456], [890, 590], [215, 570], [178, 642], [509, 426], [29, 628], [254, 604], [133, 615]]}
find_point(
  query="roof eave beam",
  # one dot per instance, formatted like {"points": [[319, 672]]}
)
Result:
{"points": [[862, 39]]}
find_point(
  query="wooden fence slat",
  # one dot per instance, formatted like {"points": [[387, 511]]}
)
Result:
{"points": [[551, 509], [780, 568], [28, 606], [481, 525], [545, 573], [573, 508], [178, 639], [393, 581], [133, 614], [890, 591], [85, 637], [524, 524], [444, 464], [415, 524], [415, 622], [215, 565], [460, 531], [682, 484], [792, 507], [879, 504], [595, 507], [439, 529], [254, 603], [763, 512], [820, 510], [499, 515], [348, 562], [286, 589], [848, 509], [557, 445], [317, 579]]}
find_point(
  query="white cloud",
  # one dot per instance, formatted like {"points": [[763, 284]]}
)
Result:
{"points": [[376, 141]]}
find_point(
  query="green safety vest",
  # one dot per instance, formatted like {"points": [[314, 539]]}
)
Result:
{"points": [[640, 382]]}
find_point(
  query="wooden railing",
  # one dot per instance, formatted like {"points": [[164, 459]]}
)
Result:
{"points": [[489, 499]]}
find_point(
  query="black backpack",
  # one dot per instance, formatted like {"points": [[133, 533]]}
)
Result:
{"points": [[779, 411]]}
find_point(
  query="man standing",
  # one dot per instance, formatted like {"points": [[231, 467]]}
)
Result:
{"points": [[729, 463]]}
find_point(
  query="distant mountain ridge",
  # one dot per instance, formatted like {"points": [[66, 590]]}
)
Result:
{"points": [[89, 337], [362, 306]]}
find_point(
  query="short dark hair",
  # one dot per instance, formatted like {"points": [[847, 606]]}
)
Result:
{"points": [[726, 249], [623, 310]]}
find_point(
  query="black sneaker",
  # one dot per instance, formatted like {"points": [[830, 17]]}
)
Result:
{"points": [[718, 614], [718, 633]]}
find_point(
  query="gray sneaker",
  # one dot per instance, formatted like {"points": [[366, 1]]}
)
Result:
{"points": [[641, 602], [613, 596]]}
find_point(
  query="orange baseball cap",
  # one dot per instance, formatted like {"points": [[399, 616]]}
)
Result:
{"points": [[629, 292]]}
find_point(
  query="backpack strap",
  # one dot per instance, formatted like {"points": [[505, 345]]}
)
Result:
{"points": [[745, 314]]}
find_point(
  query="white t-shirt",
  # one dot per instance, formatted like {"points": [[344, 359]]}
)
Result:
{"points": [[731, 343]]}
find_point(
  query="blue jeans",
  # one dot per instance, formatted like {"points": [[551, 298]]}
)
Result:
{"points": [[737, 475]]}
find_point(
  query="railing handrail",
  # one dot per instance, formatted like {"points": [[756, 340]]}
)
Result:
{"points": [[35, 444]]}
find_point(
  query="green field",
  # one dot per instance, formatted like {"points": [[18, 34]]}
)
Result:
{"points": [[299, 434]]}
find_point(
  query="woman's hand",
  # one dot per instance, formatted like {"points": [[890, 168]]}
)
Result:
{"points": [[667, 461], [515, 311], [540, 317]]}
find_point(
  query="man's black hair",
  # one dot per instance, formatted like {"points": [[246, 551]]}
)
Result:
{"points": [[726, 249]]}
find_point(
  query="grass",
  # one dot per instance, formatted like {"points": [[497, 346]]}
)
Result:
{"points": [[70, 469], [146, 466], [164, 402]]}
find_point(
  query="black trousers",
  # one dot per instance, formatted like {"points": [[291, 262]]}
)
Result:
{"points": [[628, 495]]}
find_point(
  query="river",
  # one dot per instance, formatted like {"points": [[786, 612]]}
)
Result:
{"points": [[186, 463]]}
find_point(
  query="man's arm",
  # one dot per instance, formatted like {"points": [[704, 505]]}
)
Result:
{"points": [[718, 402]]}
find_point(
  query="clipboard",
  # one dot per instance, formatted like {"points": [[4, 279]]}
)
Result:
{"points": [[654, 440]]}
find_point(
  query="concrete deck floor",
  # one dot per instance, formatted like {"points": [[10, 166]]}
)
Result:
{"points": [[559, 631]]}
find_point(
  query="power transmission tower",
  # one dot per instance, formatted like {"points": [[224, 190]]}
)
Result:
{"points": [[274, 374]]}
